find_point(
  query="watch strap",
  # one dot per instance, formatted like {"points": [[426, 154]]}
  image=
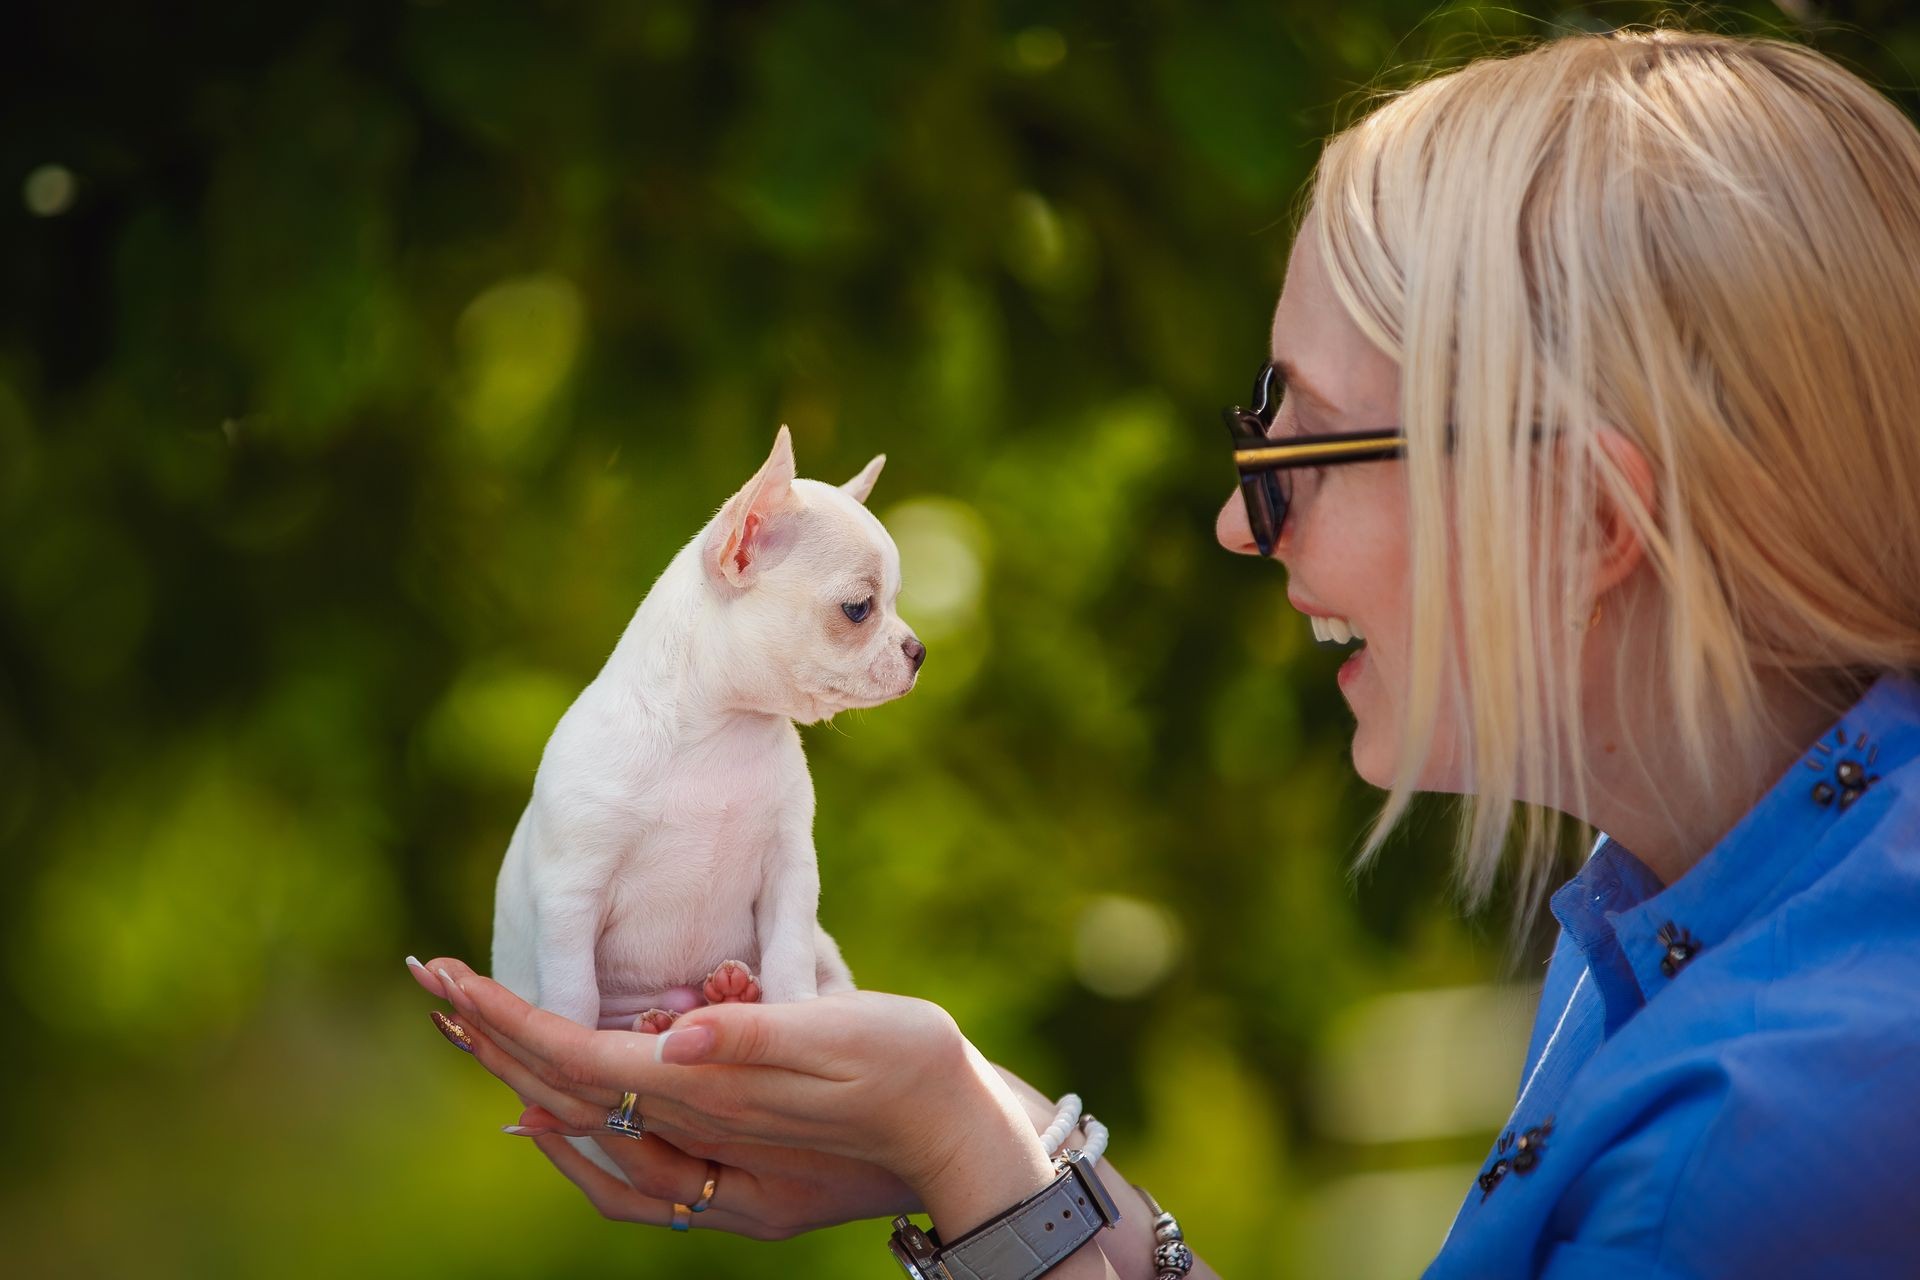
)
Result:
{"points": [[1037, 1234]]}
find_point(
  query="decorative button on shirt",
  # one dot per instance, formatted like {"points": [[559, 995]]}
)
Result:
{"points": [[1680, 947], [1724, 1075]]}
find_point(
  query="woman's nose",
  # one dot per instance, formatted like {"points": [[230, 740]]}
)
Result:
{"points": [[1232, 529]]}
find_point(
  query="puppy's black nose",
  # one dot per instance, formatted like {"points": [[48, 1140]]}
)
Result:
{"points": [[915, 651]]}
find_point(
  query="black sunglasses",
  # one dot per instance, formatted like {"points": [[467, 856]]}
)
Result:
{"points": [[1266, 465]]}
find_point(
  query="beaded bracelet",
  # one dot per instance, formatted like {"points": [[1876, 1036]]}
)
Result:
{"points": [[1066, 1119], [1171, 1257]]}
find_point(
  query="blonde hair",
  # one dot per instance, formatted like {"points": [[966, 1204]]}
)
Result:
{"points": [[1711, 245]]}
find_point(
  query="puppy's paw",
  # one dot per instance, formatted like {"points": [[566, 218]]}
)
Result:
{"points": [[731, 983], [654, 1021]]}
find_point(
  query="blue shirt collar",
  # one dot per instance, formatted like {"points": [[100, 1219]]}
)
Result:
{"points": [[1637, 935]]}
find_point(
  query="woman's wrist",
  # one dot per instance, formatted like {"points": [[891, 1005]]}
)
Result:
{"points": [[1129, 1246], [991, 1157]]}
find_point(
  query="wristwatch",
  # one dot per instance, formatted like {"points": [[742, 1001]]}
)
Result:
{"points": [[1027, 1240]]}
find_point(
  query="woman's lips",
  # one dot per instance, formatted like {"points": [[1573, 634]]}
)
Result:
{"points": [[1350, 669]]}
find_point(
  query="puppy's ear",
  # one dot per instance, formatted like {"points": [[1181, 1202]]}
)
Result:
{"points": [[862, 485], [739, 531]]}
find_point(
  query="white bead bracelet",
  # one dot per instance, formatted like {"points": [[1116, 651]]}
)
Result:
{"points": [[1068, 1117]]}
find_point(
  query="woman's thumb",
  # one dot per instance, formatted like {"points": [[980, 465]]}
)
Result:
{"points": [[684, 1044], [736, 1033]]}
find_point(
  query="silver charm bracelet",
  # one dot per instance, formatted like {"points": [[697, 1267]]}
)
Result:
{"points": [[1171, 1257]]}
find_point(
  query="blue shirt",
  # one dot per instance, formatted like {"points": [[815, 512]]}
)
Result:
{"points": [[1724, 1077]]}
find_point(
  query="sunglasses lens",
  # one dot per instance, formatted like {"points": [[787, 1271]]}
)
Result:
{"points": [[1266, 495]]}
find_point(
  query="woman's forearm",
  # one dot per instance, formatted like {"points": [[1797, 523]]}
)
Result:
{"points": [[993, 1159]]}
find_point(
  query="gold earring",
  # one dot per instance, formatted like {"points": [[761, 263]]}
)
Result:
{"points": [[1592, 618]]}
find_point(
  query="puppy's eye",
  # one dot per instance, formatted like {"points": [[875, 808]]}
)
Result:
{"points": [[858, 612]]}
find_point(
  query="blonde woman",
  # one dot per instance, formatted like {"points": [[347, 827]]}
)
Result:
{"points": [[1593, 412]]}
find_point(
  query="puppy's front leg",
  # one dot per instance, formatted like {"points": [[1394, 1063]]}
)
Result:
{"points": [[786, 915], [567, 926], [830, 970]]}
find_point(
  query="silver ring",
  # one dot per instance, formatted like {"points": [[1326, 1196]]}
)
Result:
{"points": [[625, 1119]]}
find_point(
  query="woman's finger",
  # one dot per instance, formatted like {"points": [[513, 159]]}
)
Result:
{"points": [[619, 1201], [559, 1050], [653, 1166], [577, 1110], [587, 1085], [429, 982], [684, 1127], [803, 1037], [541, 1055], [611, 1196], [535, 1041], [537, 1119], [571, 1060], [785, 1035], [768, 1074], [838, 1038], [723, 1110]]}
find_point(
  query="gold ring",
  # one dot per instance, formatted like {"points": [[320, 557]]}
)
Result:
{"points": [[683, 1213], [706, 1196]]}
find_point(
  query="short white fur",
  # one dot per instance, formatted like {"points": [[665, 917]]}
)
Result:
{"points": [[671, 822]]}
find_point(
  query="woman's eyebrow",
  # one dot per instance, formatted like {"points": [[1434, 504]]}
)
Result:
{"points": [[1291, 372]]}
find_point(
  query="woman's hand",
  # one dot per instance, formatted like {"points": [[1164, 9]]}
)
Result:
{"points": [[771, 1193], [845, 1106]]}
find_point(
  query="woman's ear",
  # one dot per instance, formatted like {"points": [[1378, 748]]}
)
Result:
{"points": [[1625, 505]]}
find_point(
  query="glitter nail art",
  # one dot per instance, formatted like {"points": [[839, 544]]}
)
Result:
{"points": [[455, 1033]]}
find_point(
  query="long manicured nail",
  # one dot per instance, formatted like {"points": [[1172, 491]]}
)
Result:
{"points": [[455, 1033], [523, 1131], [683, 1044], [423, 977], [456, 993]]}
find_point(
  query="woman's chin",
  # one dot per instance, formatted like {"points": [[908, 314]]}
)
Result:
{"points": [[1376, 757], [1371, 760]]}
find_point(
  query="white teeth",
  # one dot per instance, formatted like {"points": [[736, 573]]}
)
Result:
{"points": [[1333, 630]]}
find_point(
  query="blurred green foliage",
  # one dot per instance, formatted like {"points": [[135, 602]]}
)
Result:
{"points": [[361, 365]]}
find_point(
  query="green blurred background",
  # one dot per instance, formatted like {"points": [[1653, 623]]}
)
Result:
{"points": [[361, 365]]}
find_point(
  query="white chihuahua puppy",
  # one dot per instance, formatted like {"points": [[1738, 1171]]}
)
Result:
{"points": [[666, 856]]}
